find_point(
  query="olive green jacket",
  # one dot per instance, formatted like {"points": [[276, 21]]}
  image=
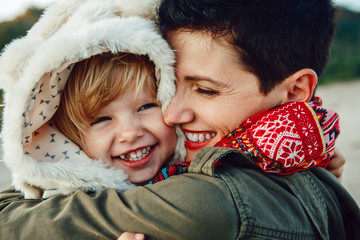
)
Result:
{"points": [[232, 201]]}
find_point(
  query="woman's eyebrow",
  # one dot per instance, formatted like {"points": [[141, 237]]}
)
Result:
{"points": [[207, 79]]}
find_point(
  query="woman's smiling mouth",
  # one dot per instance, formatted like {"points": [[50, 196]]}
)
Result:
{"points": [[199, 137], [197, 140]]}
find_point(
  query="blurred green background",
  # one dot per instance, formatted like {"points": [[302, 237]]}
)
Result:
{"points": [[344, 64]]}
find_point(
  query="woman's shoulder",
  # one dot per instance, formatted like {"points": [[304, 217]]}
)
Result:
{"points": [[301, 199]]}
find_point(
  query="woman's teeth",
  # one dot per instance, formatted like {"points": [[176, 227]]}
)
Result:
{"points": [[199, 137], [136, 155]]}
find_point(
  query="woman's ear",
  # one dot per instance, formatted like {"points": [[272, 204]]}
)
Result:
{"points": [[301, 85]]}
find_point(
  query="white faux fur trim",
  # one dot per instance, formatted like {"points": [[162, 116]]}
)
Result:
{"points": [[67, 32]]}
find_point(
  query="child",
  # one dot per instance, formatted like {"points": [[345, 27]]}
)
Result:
{"points": [[109, 108], [115, 55]]}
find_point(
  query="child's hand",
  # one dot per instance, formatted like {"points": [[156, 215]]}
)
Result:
{"points": [[131, 236], [336, 165]]}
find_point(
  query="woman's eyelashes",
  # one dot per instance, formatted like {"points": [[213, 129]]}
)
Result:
{"points": [[99, 120], [207, 92]]}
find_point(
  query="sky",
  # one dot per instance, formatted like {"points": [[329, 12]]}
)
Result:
{"points": [[11, 9]]}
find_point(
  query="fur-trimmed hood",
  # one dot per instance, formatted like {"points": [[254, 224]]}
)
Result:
{"points": [[33, 73]]}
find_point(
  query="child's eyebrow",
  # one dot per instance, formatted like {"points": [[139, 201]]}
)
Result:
{"points": [[207, 79]]}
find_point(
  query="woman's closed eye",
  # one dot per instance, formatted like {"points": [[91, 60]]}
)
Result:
{"points": [[147, 106], [207, 92], [99, 120]]}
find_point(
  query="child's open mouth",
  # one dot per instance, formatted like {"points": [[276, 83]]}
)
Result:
{"points": [[135, 155]]}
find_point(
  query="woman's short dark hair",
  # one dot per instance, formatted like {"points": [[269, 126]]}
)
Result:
{"points": [[274, 38]]}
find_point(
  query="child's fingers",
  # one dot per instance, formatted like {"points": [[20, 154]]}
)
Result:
{"points": [[336, 165], [131, 236]]}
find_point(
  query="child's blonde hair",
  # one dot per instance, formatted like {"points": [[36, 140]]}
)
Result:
{"points": [[94, 83]]}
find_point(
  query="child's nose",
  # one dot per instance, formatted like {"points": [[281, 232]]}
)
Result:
{"points": [[129, 130]]}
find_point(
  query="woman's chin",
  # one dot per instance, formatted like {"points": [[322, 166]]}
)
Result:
{"points": [[190, 155]]}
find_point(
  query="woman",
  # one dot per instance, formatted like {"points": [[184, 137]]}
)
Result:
{"points": [[230, 201], [215, 93]]}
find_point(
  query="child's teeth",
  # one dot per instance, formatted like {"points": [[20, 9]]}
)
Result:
{"points": [[139, 153], [135, 156]]}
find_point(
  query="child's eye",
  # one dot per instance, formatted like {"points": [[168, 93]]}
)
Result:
{"points": [[147, 106], [207, 92], [99, 120]]}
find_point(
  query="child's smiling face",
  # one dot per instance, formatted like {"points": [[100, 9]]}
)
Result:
{"points": [[130, 134]]}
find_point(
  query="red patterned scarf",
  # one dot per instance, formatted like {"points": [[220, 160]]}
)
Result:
{"points": [[169, 171], [289, 138], [282, 140]]}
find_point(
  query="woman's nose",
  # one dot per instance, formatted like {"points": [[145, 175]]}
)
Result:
{"points": [[179, 111], [129, 130]]}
